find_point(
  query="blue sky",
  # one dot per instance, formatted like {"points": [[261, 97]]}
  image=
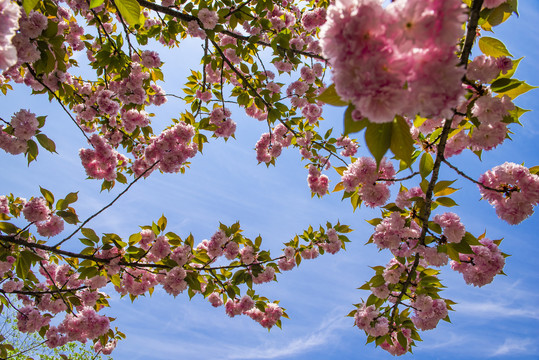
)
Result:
{"points": [[225, 184]]}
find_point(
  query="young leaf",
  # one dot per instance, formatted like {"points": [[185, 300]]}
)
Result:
{"points": [[402, 144], [330, 96], [378, 139], [426, 164], [130, 11], [350, 125], [493, 47]]}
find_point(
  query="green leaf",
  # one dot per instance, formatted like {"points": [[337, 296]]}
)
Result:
{"points": [[46, 143], [162, 223], [493, 47], [378, 139], [68, 216], [330, 96], [350, 125], [516, 91], [426, 164], [446, 201], [90, 234], [63, 204], [32, 151], [95, 3], [130, 11], [8, 228], [48, 195], [402, 144], [29, 5], [441, 185]]}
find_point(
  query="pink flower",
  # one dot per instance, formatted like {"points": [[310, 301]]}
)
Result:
{"points": [[36, 209], [480, 267], [453, 229], [215, 299], [518, 191], [10, 13], [51, 227], [209, 18], [24, 124]]}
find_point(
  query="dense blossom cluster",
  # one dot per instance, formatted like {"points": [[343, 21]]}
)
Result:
{"points": [[480, 267], [409, 49], [363, 173], [9, 18], [512, 190], [24, 125]]}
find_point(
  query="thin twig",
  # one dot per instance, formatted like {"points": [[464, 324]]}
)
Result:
{"points": [[107, 206]]}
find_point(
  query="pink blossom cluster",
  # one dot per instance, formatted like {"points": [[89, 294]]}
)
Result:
{"points": [[432, 256], [25, 125], [173, 282], [393, 234], [490, 112], [487, 68], [107, 349], [30, 27], [428, 312], [86, 324], [287, 262], [317, 182], [150, 59], [267, 318], [133, 118], [517, 191], [221, 118], [368, 318], [403, 197], [217, 243], [5, 266], [137, 282], [396, 348], [172, 148], [4, 205], [480, 267], [59, 275], [362, 172], [453, 230], [30, 320], [208, 18], [10, 13], [349, 147], [409, 49], [101, 161], [270, 145], [310, 253], [333, 244], [37, 210], [313, 19], [238, 307], [267, 275]]}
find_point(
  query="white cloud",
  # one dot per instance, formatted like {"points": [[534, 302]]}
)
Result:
{"points": [[492, 309], [321, 336], [512, 346]]}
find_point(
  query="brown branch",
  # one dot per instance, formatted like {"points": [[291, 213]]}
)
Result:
{"points": [[475, 9]]}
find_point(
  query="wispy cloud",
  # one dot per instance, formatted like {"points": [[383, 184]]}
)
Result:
{"points": [[513, 346], [493, 309], [325, 333]]}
